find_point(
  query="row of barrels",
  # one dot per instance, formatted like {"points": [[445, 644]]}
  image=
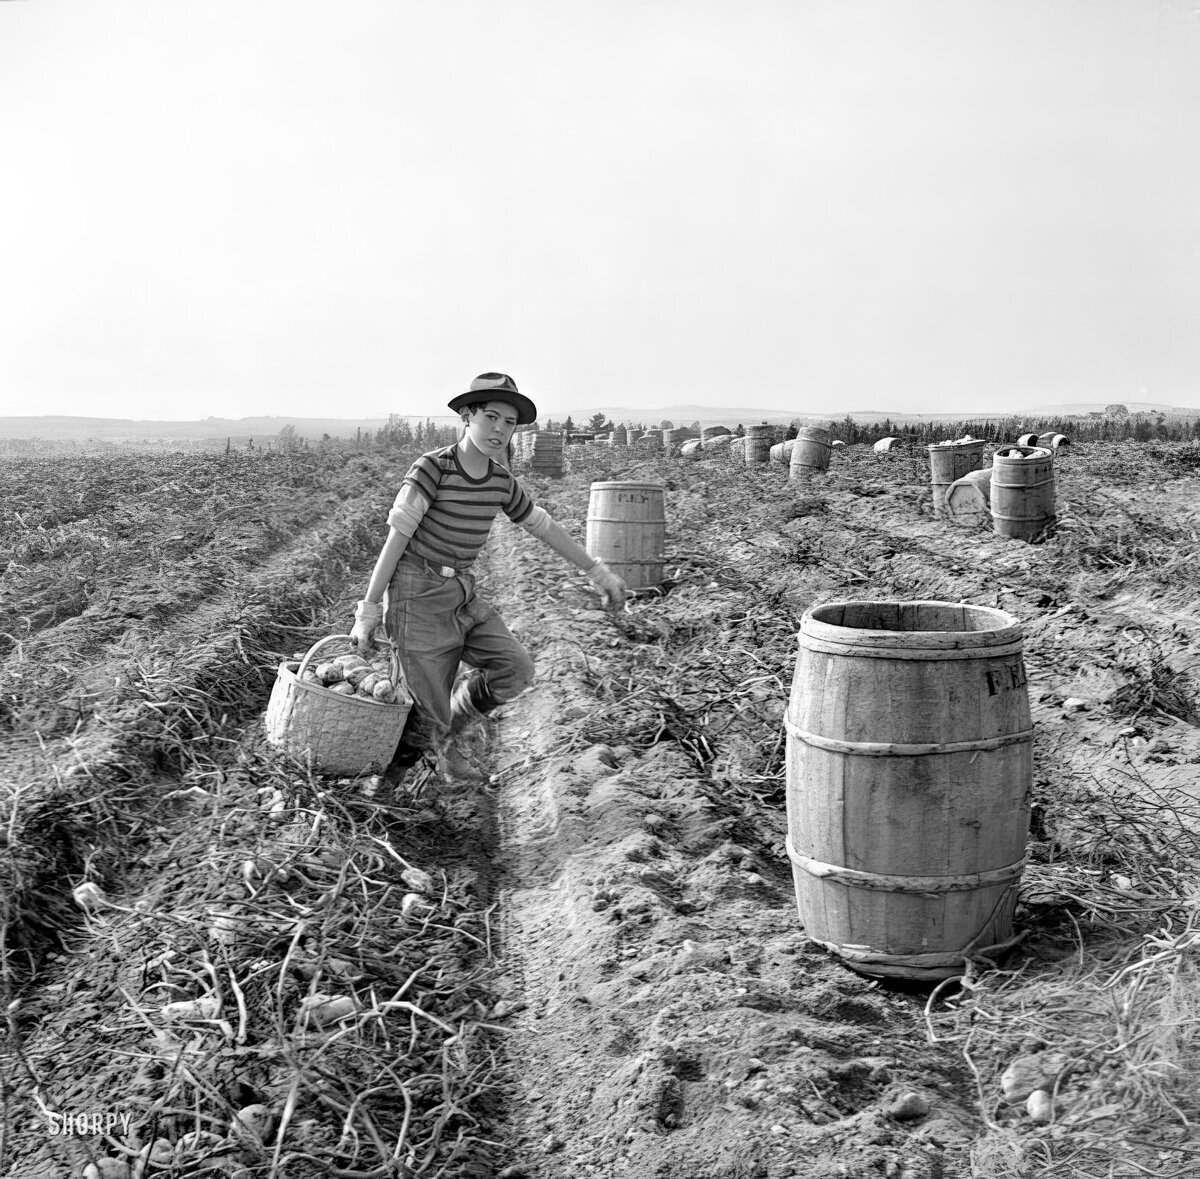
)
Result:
{"points": [[891, 905], [1050, 440]]}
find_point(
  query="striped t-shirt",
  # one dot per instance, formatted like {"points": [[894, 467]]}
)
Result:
{"points": [[461, 509]]}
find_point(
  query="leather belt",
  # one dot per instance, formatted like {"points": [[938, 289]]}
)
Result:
{"points": [[441, 570]]}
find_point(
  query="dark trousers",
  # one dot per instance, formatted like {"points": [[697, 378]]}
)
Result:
{"points": [[437, 623]]}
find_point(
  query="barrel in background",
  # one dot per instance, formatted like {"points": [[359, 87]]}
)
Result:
{"points": [[1051, 441], [969, 499], [781, 452], [759, 440], [810, 454], [909, 771], [707, 433], [626, 529], [544, 452], [949, 461], [1022, 496], [674, 438]]}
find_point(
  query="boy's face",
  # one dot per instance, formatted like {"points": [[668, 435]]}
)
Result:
{"points": [[490, 428]]}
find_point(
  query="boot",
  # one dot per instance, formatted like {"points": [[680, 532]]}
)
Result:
{"points": [[404, 762], [465, 703]]}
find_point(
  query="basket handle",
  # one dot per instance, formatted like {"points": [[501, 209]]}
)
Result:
{"points": [[396, 675]]}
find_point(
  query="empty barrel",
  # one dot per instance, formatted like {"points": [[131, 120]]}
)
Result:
{"points": [[909, 768], [626, 529], [1022, 498], [1051, 441]]}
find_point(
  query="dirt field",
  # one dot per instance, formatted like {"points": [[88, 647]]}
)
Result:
{"points": [[588, 963]]}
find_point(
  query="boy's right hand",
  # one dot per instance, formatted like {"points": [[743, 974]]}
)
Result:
{"points": [[367, 616], [613, 591]]}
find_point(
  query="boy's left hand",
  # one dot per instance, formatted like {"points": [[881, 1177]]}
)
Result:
{"points": [[613, 591]]}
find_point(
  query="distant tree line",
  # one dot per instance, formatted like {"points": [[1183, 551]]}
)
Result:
{"points": [[1108, 426]]}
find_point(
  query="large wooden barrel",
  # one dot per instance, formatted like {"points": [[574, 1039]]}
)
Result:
{"points": [[969, 499], [909, 769], [1022, 496], [673, 439], [709, 432], [886, 445], [690, 446], [759, 440], [949, 461], [651, 440], [781, 452], [544, 452], [1027, 440], [810, 455], [620, 436], [1051, 441], [626, 529]]}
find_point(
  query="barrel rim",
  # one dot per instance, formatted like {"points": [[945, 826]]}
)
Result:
{"points": [[1008, 629], [608, 484], [974, 444], [1027, 453]]}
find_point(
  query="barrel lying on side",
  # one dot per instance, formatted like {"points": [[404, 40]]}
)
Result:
{"points": [[969, 499], [781, 452], [909, 771]]}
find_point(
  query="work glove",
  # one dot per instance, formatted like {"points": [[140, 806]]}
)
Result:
{"points": [[613, 591], [367, 616]]}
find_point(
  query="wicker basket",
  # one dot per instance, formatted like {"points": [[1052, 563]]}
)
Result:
{"points": [[334, 734]]}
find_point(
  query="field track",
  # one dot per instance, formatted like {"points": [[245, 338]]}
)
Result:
{"points": [[590, 963]]}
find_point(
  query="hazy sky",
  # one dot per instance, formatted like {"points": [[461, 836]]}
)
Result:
{"points": [[350, 207]]}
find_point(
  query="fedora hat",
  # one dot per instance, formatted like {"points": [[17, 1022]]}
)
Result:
{"points": [[497, 387]]}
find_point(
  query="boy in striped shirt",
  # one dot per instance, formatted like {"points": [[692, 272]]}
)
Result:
{"points": [[440, 521]]}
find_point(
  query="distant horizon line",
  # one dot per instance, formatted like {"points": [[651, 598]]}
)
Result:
{"points": [[1062, 409]]}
